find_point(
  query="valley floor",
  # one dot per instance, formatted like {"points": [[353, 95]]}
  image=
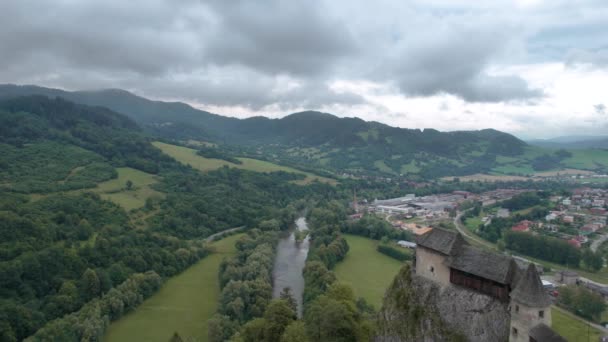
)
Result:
{"points": [[183, 304], [366, 270]]}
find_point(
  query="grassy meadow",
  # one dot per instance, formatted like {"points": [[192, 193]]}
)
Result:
{"points": [[573, 329], [116, 190], [368, 271], [183, 304], [188, 156]]}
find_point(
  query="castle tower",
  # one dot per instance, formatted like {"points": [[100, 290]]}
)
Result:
{"points": [[530, 308]]}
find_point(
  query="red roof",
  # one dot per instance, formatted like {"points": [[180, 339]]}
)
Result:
{"points": [[520, 228], [574, 242]]}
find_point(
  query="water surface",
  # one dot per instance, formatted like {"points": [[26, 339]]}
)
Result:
{"points": [[289, 264]]}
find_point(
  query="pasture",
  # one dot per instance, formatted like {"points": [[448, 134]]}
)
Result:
{"points": [[183, 304], [366, 270], [574, 330], [116, 189], [188, 156]]}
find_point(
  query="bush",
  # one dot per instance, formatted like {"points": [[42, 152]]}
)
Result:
{"points": [[393, 252]]}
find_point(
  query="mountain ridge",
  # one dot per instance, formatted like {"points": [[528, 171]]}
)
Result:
{"points": [[323, 141]]}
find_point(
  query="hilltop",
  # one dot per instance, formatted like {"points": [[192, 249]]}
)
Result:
{"points": [[322, 141]]}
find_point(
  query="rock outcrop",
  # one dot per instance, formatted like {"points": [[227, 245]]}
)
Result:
{"points": [[417, 309]]}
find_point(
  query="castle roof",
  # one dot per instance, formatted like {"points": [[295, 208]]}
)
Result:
{"points": [[529, 290], [443, 241], [542, 333], [496, 267]]}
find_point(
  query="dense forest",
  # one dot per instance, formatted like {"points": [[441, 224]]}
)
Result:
{"points": [[70, 258]]}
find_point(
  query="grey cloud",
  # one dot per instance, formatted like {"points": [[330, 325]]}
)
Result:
{"points": [[597, 58], [278, 36], [453, 57]]}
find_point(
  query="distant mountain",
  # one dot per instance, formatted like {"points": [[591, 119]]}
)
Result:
{"points": [[573, 142], [323, 141]]}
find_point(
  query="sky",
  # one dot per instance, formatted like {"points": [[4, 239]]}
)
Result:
{"points": [[534, 68]]}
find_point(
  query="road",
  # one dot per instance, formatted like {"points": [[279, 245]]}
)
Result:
{"points": [[598, 242], [464, 231], [212, 236]]}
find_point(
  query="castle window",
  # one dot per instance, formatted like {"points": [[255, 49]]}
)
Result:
{"points": [[516, 308], [432, 269], [541, 314], [514, 331]]}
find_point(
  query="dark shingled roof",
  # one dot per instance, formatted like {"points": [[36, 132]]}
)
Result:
{"points": [[497, 267], [529, 290], [542, 333], [441, 240]]}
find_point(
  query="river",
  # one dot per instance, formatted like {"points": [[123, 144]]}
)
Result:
{"points": [[289, 264]]}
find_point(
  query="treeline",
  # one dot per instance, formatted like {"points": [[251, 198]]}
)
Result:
{"points": [[91, 321], [582, 302], [554, 250], [374, 227], [543, 247], [394, 252], [523, 201], [246, 284], [216, 153], [331, 311], [61, 251], [550, 161]]}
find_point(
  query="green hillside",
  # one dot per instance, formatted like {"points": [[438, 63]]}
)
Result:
{"points": [[320, 141]]}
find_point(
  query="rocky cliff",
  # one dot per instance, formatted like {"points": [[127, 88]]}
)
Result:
{"points": [[417, 309]]}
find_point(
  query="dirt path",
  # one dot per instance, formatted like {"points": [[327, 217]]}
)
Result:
{"points": [[212, 236]]}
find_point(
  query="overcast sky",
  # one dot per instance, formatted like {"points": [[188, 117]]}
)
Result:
{"points": [[530, 67]]}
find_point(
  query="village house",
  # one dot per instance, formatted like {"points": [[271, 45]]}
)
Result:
{"points": [[523, 226], [446, 258], [566, 277]]}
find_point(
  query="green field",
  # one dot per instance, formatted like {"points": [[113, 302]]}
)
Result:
{"points": [[473, 223], [573, 329], [188, 156], [183, 304], [116, 191], [587, 159], [592, 180], [368, 271]]}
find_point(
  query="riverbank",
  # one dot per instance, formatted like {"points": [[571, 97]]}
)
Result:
{"points": [[183, 304]]}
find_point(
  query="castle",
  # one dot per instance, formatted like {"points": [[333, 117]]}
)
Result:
{"points": [[446, 258]]}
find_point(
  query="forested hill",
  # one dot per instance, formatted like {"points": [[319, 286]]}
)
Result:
{"points": [[323, 141], [93, 217], [309, 138], [37, 119]]}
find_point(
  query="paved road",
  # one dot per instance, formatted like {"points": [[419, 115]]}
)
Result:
{"points": [[464, 231], [597, 242], [212, 236]]}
